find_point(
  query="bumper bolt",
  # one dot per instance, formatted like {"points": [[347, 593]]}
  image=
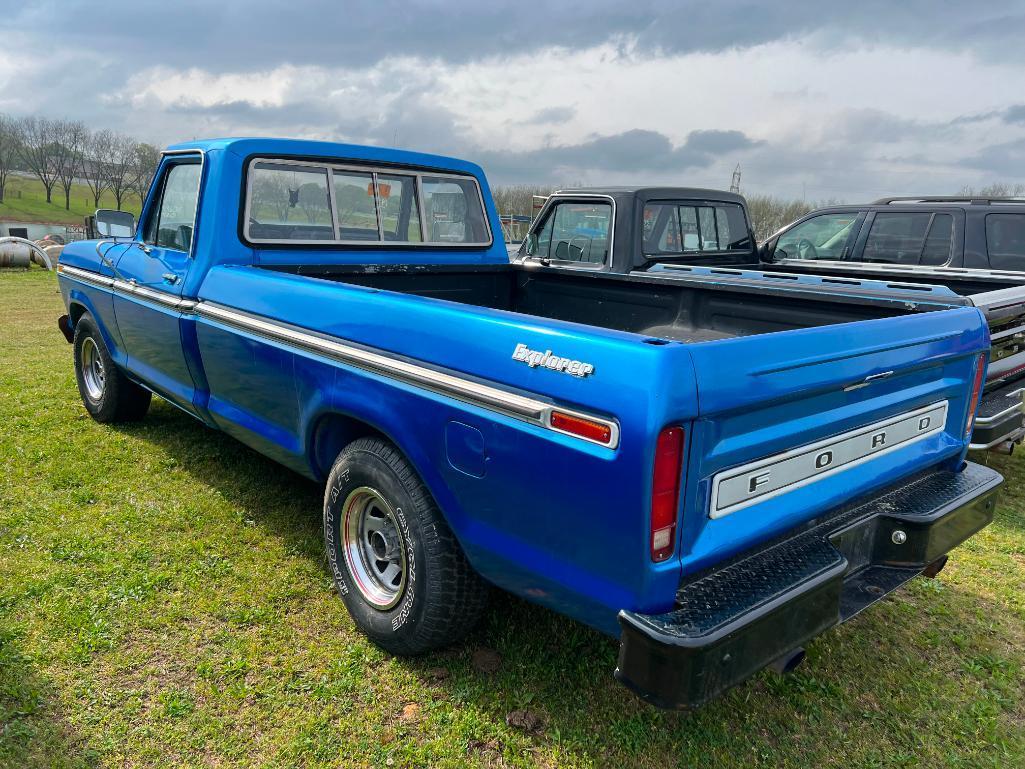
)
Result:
{"points": [[899, 537]]}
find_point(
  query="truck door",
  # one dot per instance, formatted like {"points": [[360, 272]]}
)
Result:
{"points": [[828, 236], [149, 309]]}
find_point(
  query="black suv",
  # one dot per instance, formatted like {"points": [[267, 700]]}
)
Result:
{"points": [[974, 233], [973, 246]]}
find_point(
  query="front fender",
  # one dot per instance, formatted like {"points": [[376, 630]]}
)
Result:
{"points": [[99, 303]]}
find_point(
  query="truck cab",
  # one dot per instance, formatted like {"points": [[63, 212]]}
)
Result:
{"points": [[610, 229]]}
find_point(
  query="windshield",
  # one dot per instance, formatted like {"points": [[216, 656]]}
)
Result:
{"points": [[686, 227]]}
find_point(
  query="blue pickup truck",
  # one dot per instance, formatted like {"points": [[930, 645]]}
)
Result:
{"points": [[715, 471]]}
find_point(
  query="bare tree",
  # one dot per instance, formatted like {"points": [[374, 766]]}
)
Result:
{"points": [[118, 168], [37, 151], [518, 198], [70, 137], [96, 155], [996, 190], [769, 214], [145, 160], [9, 150]]}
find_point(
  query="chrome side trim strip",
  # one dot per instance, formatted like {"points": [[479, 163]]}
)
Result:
{"points": [[129, 288], [530, 410], [521, 407], [86, 276]]}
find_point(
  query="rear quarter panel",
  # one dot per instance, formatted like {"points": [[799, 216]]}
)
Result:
{"points": [[553, 518]]}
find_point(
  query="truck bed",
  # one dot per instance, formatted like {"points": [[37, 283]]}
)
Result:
{"points": [[684, 309]]}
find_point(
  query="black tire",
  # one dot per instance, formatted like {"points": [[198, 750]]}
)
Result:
{"points": [[440, 597], [108, 395]]}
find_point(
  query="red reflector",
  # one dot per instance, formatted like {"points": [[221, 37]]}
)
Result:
{"points": [[585, 428], [973, 401], [665, 492]]}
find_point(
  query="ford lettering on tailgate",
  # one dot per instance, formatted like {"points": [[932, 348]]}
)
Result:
{"points": [[740, 487]]}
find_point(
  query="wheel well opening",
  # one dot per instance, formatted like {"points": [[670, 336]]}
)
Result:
{"points": [[76, 311], [332, 433]]}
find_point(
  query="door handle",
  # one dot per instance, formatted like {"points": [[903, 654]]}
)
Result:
{"points": [[170, 277]]}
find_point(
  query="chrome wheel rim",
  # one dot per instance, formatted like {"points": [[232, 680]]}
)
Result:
{"points": [[93, 373], [374, 550]]}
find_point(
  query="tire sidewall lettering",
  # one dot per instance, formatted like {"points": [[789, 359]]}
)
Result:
{"points": [[340, 485]]}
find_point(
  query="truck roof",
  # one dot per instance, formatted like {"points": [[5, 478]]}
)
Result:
{"points": [[246, 146], [656, 193]]}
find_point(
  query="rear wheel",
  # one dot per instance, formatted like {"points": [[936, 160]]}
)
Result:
{"points": [[396, 563], [108, 395]]}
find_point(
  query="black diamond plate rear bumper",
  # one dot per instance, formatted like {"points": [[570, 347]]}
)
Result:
{"points": [[734, 620]]}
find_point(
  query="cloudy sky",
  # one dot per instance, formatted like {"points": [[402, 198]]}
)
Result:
{"points": [[829, 100]]}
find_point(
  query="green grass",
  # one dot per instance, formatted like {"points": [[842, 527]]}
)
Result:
{"points": [[25, 201], [164, 602]]}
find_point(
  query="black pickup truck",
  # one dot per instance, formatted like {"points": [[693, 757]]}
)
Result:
{"points": [[958, 251]]}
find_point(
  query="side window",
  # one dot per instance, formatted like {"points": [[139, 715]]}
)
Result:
{"points": [[171, 224], [576, 232], [453, 211], [936, 251], [821, 237], [543, 245], [290, 202], [1005, 241], [896, 238]]}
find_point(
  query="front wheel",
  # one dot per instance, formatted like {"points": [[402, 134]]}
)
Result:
{"points": [[108, 395], [396, 563]]}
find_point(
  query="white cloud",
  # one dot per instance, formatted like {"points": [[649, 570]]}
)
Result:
{"points": [[820, 110]]}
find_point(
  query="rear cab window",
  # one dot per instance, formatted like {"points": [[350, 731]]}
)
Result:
{"points": [[674, 228], [296, 202], [1005, 241]]}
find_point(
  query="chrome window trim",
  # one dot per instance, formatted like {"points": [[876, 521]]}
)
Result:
{"points": [[377, 207], [525, 408], [372, 169], [199, 196], [558, 197]]}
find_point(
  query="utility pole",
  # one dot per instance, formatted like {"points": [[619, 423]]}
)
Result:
{"points": [[735, 184]]}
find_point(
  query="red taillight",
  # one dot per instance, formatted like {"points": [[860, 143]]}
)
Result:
{"points": [[599, 432], [665, 492], [973, 402]]}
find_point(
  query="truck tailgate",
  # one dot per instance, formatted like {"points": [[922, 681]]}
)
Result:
{"points": [[793, 424]]}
